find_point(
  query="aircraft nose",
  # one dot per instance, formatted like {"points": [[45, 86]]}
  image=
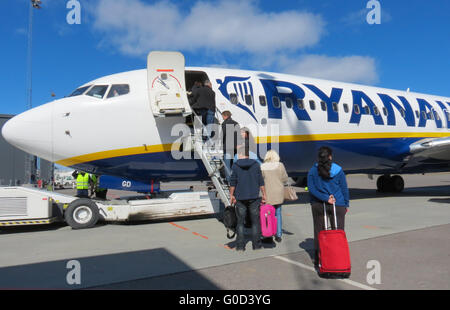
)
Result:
{"points": [[31, 131]]}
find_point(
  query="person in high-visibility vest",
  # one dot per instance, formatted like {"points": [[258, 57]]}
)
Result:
{"points": [[82, 184], [99, 192]]}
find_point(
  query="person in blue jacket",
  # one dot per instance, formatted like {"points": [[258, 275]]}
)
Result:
{"points": [[327, 184]]}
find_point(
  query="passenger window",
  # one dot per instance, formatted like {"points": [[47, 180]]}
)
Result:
{"points": [[300, 104], [289, 103], [249, 99], [385, 112], [98, 91], [345, 108], [323, 105], [356, 108], [402, 112], [234, 98], [276, 102], [431, 115], [417, 114], [376, 111], [335, 106], [118, 90], [424, 115], [312, 104], [367, 110], [262, 101]]}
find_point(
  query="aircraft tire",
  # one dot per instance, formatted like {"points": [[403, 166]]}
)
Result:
{"points": [[398, 184], [82, 213], [383, 183]]}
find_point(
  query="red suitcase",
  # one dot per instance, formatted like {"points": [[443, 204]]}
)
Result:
{"points": [[334, 253]]}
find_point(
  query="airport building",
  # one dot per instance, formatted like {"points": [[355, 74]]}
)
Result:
{"points": [[12, 163]]}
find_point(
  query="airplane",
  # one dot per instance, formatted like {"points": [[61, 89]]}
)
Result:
{"points": [[121, 125]]}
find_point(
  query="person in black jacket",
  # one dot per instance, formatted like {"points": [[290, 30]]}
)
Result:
{"points": [[203, 103], [246, 183], [230, 137]]}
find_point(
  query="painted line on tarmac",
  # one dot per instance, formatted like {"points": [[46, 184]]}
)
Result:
{"points": [[356, 284]]}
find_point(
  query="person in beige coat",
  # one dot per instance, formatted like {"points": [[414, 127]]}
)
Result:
{"points": [[275, 176]]}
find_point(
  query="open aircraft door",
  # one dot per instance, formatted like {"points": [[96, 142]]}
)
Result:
{"points": [[166, 84]]}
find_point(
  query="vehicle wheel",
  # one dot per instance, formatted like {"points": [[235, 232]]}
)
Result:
{"points": [[398, 184], [81, 213], [383, 183]]}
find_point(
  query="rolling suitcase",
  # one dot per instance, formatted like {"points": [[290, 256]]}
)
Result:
{"points": [[334, 253], [268, 220]]}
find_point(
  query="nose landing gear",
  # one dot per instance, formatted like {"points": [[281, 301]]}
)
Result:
{"points": [[387, 183]]}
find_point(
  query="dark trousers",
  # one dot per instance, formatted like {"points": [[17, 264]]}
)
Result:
{"points": [[82, 193], [319, 223], [252, 207], [207, 119]]}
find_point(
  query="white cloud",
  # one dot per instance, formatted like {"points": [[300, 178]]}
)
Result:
{"points": [[353, 69], [225, 25], [268, 40]]}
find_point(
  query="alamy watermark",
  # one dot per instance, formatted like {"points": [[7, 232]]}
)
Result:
{"points": [[73, 277], [374, 275], [374, 15], [74, 15], [261, 139]]}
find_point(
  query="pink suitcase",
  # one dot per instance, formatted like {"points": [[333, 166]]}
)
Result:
{"points": [[268, 220]]}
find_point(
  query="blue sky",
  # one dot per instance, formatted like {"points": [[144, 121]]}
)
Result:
{"points": [[328, 39]]}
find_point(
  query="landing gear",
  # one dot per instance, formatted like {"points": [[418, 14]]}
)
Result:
{"points": [[387, 183]]}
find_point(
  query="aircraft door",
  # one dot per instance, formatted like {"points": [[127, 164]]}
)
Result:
{"points": [[166, 84]]}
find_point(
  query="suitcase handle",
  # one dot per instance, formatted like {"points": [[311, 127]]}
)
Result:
{"points": [[325, 217]]}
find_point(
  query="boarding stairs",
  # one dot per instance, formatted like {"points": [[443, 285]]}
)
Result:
{"points": [[212, 157]]}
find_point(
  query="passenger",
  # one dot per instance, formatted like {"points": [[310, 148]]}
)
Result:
{"points": [[197, 85], [204, 105], [327, 184], [230, 137], [275, 176], [248, 142], [246, 184]]}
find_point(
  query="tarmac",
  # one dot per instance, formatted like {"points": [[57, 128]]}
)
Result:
{"points": [[397, 242]]}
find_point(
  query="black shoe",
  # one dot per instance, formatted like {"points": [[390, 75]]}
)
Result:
{"points": [[278, 239], [267, 240], [257, 247], [240, 248]]}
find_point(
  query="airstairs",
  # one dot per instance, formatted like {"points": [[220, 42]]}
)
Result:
{"points": [[212, 158]]}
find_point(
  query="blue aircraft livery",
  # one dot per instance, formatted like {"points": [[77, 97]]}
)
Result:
{"points": [[362, 104]]}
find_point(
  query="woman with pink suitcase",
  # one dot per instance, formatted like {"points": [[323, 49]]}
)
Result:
{"points": [[275, 177]]}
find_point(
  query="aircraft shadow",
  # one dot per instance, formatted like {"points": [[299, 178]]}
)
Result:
{"points": [[147, 269]]}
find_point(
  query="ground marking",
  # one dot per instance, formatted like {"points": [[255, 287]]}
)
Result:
{"points": [[359, 285]]}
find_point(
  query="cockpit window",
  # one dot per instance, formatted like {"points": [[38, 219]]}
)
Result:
{"points": [[118, 90], [98, 91], [79, 91]]}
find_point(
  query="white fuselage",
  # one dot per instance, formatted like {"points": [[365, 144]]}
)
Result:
{"points": [[120, 135]]}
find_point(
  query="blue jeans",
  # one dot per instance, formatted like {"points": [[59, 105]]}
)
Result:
{"points": [[279, 221], [242, 207], [82, 193], [228, 160], [207, 119]]}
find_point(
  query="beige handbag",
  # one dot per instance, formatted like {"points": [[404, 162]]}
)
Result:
{"points": [[290, 193]]}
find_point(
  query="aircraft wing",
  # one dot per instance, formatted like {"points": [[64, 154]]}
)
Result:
{"points": [[437, 149]]}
